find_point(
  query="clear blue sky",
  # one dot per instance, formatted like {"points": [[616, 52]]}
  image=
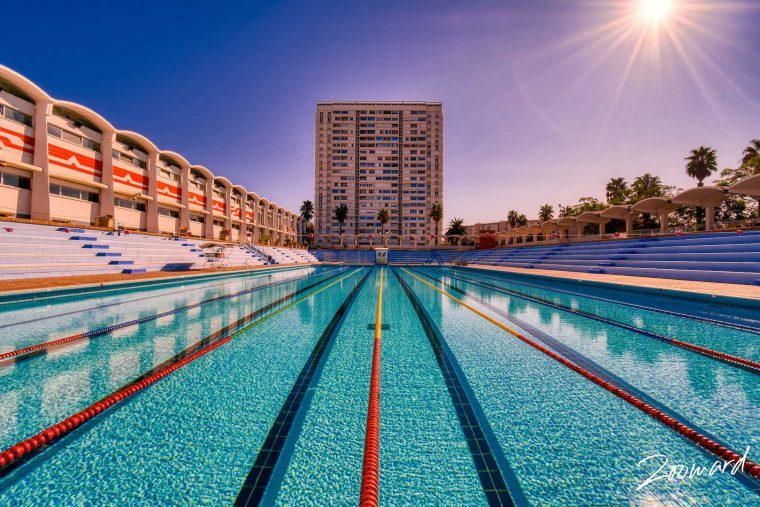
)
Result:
{"points": [[540, 102]]}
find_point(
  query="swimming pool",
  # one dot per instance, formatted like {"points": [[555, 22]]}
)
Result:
{"points": [[489, 389]]}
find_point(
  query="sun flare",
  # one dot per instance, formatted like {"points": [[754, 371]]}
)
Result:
{"points": [[655, 11]]}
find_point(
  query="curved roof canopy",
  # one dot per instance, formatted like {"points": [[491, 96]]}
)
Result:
{"points": [[621, 211], [747, 186], [701, 196], [534, 228], [656, 205], [591, 217], [549, 225], [566, 221]]}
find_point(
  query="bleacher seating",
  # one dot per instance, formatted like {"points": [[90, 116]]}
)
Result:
{"points": [[282, 255], [716, 257], [34, 251]]}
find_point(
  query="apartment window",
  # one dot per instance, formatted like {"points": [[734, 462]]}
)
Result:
{"points": [[166, 212], [117, 155], [73, 138], [165, 173], [198, 185], [74, 193], [13, 180], [15, 115], [198, 218], [219, 223], [128, 204]]}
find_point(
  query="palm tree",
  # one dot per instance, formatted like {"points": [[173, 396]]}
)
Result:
{"points": [[701, 163], [436, 213], [383, 216], [644, 186], [751, 157], [546, 212], [512, 217], [616, 190], [307, 211], [456, 228], [522, 220], [341, 214]]}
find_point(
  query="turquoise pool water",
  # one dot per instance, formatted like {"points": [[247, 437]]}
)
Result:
{"points": [[277, 415]]}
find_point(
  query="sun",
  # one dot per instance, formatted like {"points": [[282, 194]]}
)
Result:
{"points": [[655, 11]]}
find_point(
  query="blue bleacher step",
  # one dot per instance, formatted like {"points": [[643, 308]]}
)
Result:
{"points": [[595, 270], [121, 262], [108, 254], [134, 271], [618, 257], [196, 249], [606, 264], [64, 229], [83, 238], [188, 244], [98, 246]]}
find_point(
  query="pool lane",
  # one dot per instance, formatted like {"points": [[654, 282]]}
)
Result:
{"points": [[720, 400], [740, 362], [263, 480], [85, 316], [735, 332], [42, 390], [174, 444], [424, 457], [565, 437]]}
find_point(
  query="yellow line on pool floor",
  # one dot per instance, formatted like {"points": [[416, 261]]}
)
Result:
{"points": [[471, 308]]}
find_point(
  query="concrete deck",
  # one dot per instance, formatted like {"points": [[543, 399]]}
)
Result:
{"points": [[710, 288], [24, 284]]}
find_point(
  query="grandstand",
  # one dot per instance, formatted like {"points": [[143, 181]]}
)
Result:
{"points": [[34, 251], [714, 257]]}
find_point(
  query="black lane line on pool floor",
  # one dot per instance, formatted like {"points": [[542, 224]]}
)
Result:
{"points": [[593, 367], [497, 478], [208, 340], [262, 483], [708, 353], [731, 325], [42, 348]]}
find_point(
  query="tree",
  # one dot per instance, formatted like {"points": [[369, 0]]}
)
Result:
{"points": [[751, 157], [546, 212], [307, 211], [512, 217], [701, 163], [645, 186], [456, 228], [436, 213], [616, 191], [341, 214], [522, 220], [383, 216]]}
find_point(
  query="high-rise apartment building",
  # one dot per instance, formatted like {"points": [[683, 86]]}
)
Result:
{"points": [[375, 155]]}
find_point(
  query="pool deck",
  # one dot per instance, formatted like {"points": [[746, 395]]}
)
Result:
{"points": [[23, 284], [712, 288]]}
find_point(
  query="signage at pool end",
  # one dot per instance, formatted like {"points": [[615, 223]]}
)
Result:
{"points": [[680, 472]]}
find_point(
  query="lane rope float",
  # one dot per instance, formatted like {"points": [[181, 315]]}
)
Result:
{"points": [[731, 325], [736, 361], [370, 494], [41, 347], [750, 468], [25, 448]]}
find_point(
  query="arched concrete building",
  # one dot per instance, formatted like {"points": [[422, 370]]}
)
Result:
{"points": [[60, 161]]}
